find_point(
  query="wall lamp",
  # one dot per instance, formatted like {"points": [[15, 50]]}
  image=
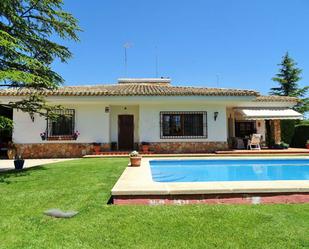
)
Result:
{"points": [[216, 115]]}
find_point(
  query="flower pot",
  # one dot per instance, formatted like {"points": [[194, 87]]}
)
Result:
{"points": [[307, 146], [145, 148], [97, 149], [19, 164], [113, 146], [135, 161]]}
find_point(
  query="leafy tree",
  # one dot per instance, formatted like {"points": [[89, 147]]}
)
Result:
{"points": [[27, 49], [287, 78]]}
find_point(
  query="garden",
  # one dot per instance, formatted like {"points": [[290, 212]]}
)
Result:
{"points": [[84, 185]]}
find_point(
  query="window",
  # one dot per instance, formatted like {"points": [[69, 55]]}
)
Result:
{"points": [[183, 124], [244, 128], [63, 125]]}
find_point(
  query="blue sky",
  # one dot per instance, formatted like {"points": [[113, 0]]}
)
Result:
{"points": [[197, 42]]}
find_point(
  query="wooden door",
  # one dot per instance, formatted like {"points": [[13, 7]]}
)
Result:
{"points": [[125, 132]]}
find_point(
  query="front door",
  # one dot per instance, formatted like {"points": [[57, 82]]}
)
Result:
{"points": [[125, 132]]}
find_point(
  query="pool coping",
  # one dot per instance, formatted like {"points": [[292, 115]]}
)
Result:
{"points": [[137, 181]]}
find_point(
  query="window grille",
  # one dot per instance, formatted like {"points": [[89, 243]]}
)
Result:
{"points": [[183, 124], [63, 125]]}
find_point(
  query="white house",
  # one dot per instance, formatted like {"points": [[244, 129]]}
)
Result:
{"points": [[170, 118]]}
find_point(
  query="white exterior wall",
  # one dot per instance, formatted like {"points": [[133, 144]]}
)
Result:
{"points": [[26, 131], [90, 120], [97, 126], [150, 121]]}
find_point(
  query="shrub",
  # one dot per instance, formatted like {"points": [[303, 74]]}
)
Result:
{"points": [[287, 130], [134, 154], [269, 135], [305, 121], [301, 135]]}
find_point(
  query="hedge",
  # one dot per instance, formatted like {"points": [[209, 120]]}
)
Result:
{"points": [[301, 135], [287, 130]]}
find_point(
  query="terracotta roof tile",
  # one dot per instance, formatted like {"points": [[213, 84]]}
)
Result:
{"points": [[276, 99], [133, 90]]}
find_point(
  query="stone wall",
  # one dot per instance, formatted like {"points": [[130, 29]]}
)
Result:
{"points": [[187, 147], [277, 131], [66, 150], [57, 150]]}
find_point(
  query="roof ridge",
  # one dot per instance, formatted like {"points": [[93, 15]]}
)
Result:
{"points": [[161, 85], [91, 85]]}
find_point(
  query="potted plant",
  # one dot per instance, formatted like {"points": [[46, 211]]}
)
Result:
{"points": [[19, 163], [135, 159], [97, 148], [145, 147], [76, 134], [307, 144], [113, 146], [43, 136], [281, 146], [11, 152]]}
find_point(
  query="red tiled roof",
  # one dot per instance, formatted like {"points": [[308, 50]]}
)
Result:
{"points": [[139, 89], [276, 99]]}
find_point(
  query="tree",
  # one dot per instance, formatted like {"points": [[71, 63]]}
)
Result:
{"points": [[288, 78], [27, 50]]}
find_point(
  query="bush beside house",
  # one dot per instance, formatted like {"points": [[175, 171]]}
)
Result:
{"points": [[287, 130], [301, 135]]}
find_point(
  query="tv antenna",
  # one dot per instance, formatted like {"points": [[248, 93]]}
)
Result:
{"points": [[218, 79], [156, 61], [126, 46]]}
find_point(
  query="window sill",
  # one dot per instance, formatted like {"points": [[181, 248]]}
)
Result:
{"points": [[184, 137], [60, 138]]}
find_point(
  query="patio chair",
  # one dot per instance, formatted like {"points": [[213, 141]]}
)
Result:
{"points": [[240, 143], [254, 142]]}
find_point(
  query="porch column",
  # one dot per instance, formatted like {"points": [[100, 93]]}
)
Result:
{"points": [[277, 131]]}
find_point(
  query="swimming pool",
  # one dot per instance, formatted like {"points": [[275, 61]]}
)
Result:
{"points": [[213, 170]]}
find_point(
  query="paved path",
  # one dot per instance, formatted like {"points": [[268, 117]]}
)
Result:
{"points": [[6, 164]]}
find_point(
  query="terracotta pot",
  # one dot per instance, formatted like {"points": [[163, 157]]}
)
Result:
{"points": [[97, 149], [135, 161], [307, 145], [145, 148]]}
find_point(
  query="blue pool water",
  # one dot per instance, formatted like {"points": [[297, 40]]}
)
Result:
{"points": [[229, 170]]}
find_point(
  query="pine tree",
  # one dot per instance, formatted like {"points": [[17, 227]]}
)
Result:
{"points": [[27, 49], [288, 78]]}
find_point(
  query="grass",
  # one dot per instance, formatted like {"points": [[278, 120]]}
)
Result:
{"points": [[84, 185]]}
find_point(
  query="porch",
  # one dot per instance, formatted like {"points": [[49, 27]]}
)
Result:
{"points": [[266, 121]]}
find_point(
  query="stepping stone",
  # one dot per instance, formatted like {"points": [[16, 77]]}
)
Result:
{"points": [[57, 213]]}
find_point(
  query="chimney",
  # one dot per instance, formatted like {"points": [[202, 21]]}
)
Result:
{"points": [[154, 81]]}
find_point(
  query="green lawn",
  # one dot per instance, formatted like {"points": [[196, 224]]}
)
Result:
{"points": [[85, 185]]}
